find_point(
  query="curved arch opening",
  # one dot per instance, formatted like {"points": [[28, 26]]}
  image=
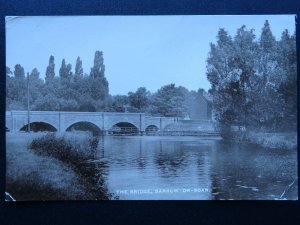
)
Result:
{"points": [[85, 126], [151, 130], [124, 128], [38, 127]]}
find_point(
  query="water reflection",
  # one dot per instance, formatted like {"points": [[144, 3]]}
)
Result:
{"points": [[194, 168], [171, 159]]}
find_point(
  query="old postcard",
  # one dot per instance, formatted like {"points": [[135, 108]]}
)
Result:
{"points": [[151, 108]]}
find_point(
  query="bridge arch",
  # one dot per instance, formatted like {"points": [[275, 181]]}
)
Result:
{"points": [[151, 130], [39, 126], [85, 126], [123, 128]]}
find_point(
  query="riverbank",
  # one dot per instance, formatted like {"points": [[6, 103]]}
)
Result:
{"points": [[34, 176], [270, 140]]}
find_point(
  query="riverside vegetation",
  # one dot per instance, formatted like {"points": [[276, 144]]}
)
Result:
{"points": [[55, 167]]}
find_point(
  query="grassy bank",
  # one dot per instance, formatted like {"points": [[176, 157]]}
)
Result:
{"points": [[271, 140], [274, 140], [50, 167]]}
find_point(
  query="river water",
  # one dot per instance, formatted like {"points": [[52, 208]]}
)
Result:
{"points": [[195, 168]]}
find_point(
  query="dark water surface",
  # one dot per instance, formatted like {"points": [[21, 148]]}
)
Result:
{"points": [[195, 168]]}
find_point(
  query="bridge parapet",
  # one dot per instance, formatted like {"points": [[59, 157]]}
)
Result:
{"points": [[61, 121]]}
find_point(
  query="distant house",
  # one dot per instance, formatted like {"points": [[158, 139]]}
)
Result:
{"points": [[201, 109]]}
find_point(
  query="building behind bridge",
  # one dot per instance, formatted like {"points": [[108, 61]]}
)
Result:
{"points": [[201, 107]]}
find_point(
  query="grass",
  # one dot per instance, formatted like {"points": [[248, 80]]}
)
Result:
{"points": [[52, 167]]}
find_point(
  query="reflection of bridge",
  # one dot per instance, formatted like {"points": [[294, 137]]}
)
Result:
{"points": [[104, 122]]}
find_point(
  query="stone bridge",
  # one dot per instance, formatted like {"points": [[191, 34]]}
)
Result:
{"points": [[104, 121]]}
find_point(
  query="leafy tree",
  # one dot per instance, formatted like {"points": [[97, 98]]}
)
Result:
{"points": [[224, 78], [249, 79], [48, 102], [140, 99], [119, 103], [170, 101]]}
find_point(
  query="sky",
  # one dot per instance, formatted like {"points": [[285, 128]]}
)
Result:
{"points": [[138, 51]]}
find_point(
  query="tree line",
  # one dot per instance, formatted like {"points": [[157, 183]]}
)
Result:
{"points": [[254, 81], [79, 91]]}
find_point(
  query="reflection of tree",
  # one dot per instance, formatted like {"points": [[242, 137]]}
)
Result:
{"points": [[171, 159], [225, 171], [248, 172], [203, 166]]}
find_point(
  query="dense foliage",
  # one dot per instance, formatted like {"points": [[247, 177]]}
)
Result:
{"points": [[254, 81], [66, 92], [89, 93]]}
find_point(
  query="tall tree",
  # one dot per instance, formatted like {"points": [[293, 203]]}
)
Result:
{"points": [[267, 39], [50, 73], [63, 71], [99, 85], [98, 69], [35, 86], [69, 72], [78, 69], [224, 79], [247, 83], [269, 104]]}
